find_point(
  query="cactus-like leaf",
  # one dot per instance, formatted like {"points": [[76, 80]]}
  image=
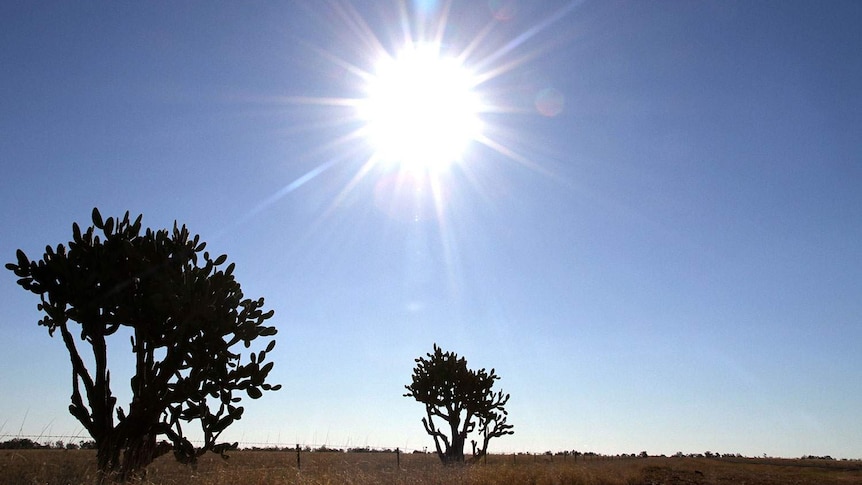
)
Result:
{"points": [[254, 393], [97, 219], [23, 262]]}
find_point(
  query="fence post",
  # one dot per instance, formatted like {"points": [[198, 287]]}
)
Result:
{"points": [[398, 457], [298, 463]]}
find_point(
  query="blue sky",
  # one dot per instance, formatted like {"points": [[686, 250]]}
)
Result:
{"points": [[671, 262]]}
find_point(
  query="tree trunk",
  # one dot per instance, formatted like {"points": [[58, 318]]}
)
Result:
{"points": [[455, 453], [139, 453], [107, 456]]}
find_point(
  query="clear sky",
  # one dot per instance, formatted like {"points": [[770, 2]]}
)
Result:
{"points": [[657, 243]]}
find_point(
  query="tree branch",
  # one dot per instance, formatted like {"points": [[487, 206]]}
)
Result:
{"points": [[79, 372]]}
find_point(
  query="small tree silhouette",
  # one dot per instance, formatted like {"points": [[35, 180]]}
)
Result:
{"points": [[461, 397], [186, 320]]}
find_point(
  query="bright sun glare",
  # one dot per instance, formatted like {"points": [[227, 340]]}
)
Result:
{"points": [[419, 107], [421, 112]]}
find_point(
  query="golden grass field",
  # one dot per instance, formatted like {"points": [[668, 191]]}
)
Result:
{"points": [[74, 467]]}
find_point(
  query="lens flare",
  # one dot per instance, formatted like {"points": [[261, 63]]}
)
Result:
{"points": [[550, 102]]}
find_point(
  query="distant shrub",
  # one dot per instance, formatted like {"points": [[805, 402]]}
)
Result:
{"points": [[21, 444]]}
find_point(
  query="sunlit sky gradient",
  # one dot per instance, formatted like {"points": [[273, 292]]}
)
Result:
{"points": [[658, 246]]}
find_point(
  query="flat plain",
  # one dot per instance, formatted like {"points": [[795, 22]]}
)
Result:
{"points": [[76, 467]]}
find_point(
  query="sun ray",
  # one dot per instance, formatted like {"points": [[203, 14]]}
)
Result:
{"points": [[443, 23], [360, 175], [509, 153], [279, 194], [479, 66], [511, 65], [348, 66], [357, 25], [403, 15], [450, 254], [532, 31], [321, 101], [360, 27], [476, 42], [428, 198]]}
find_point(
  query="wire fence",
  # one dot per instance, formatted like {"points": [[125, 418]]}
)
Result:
{"points": [[76, 441], [54, 441], [81, 441]]}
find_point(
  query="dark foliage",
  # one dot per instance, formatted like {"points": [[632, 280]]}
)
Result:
{"points": [[187, 316], [21, 444], [461, 397]]}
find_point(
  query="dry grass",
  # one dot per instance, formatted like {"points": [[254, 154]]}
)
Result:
{"points": [[75, 467]]}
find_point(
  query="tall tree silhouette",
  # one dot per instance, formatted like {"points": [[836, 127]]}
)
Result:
{"points": [[187, 317], [463, 398]]}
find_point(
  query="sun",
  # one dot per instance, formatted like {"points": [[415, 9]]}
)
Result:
{"points": [[420, 110], [430, 102]]}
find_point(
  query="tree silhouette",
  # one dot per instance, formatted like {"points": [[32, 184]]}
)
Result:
{"points": [[186, 316], [461, 397]]}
